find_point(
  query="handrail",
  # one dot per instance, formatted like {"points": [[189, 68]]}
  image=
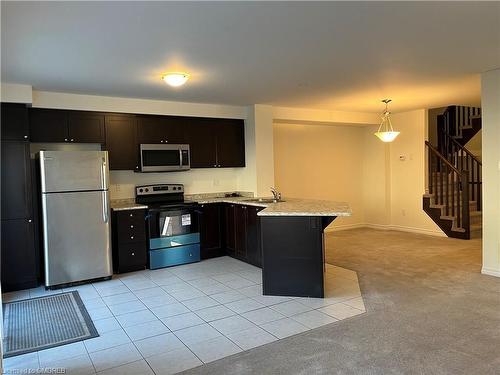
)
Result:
{"points": [[442, 157], [449, 187], [463, 148]]}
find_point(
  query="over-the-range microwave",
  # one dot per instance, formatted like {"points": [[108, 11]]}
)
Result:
{"points": [[164, 158]]}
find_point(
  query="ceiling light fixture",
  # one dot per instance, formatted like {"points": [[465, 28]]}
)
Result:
{"points": [[385, 131], [175, 79]]}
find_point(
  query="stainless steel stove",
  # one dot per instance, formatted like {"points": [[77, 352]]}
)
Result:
{"points": [[174, 236]]}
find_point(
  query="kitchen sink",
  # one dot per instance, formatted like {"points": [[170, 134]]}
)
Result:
{"points": [[263, 200]]}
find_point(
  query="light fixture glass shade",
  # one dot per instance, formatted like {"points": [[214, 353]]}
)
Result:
{"points": [[385, 131], [175, 79], [387, 136]]}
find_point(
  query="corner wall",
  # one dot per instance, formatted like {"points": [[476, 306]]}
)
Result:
{"points": [[490, 105]]}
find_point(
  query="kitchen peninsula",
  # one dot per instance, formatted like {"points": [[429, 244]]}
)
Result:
{"points": [[291, 242]]}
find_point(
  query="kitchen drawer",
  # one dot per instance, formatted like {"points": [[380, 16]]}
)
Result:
{"points": [[131, 233], [174, 256], [130, 257], [126, 218], [130, 226]]}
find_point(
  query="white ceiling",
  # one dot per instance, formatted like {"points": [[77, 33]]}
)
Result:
{"points": [[341, 56]]}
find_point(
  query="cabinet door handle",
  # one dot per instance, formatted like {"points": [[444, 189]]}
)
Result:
{"points": [[133, 254], [161, 141], [131, 237], [131, 226], [29, 220], [25, 137], [72, 140], [131, 215], [65, 139]]}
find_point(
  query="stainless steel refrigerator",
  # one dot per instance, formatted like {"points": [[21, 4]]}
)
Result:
{"points": [[76, 216]]}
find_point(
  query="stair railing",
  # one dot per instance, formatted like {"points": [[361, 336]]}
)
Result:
{"points": [[464, 160], [457, 117], [449, 187]]}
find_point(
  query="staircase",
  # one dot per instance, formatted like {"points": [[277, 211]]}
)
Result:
{"points": [[454, 183]]}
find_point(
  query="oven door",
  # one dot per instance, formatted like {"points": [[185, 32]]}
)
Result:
{"points": [[164, 158], [170, 227]]}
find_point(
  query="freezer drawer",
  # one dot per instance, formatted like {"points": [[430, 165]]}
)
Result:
{"points": [[77, 239], [67, 171]]}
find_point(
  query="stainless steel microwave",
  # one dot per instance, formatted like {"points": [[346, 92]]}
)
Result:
{"points": [[164, 158]]}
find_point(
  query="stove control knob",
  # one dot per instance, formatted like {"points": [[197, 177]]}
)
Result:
{"points": [[147, 190], [140, 190]]}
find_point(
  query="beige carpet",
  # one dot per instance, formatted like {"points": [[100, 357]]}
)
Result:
{"points": [[429, 311]]}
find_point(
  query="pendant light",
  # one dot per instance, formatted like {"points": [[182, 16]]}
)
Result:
{"points": [[385, 131]]}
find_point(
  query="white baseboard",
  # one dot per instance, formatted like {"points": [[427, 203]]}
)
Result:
{"points": [[335, 228], [399, 228], [490, 272]]}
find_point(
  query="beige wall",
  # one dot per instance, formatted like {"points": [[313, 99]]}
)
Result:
{"points": [[376, 179], [14, 93], [348, 163], [490, 102], [408, 176], [321, 162]]}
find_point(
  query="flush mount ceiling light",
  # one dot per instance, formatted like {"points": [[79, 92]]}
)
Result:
{"points": [[385, 131], [175, 79]]}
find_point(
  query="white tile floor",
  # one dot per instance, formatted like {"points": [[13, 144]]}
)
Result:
{"points": [[169, 320]]}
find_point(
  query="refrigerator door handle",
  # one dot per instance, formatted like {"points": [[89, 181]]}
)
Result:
{"points": [[103, 174], [105, 216]]}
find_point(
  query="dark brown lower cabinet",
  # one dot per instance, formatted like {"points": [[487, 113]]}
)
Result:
{"points": [[229, 216], [242, 235], [253, 243], [19, 266], [130, 248], [240, 231], [211, 222]]}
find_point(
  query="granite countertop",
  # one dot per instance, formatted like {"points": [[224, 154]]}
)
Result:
{"points": [[125, 204], [288, 207]]}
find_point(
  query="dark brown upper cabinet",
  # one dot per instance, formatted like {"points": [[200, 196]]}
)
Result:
{"points": [[230, 143], [54, 125], [216, 143], [15, 123], [202, 141], [121, 142], [48, 125], [161, 129], [85, 127]]}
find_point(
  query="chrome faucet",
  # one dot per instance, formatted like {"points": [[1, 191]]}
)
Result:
{"points": [[276, 194]]}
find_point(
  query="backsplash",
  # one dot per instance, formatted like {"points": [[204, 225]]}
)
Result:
{"points": [[195, 181]]}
